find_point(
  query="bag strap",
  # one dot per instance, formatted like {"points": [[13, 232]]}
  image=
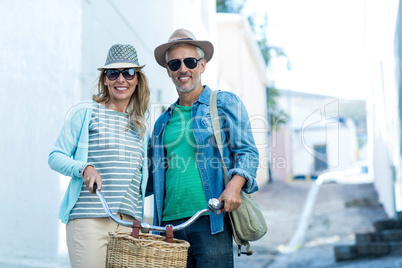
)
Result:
{"points": [[217, 130], [136, 229], [213, 109], [169, 233]]}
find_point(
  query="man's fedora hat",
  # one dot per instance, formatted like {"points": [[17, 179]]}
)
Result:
{"points": [[121, 56], [182, 36]]}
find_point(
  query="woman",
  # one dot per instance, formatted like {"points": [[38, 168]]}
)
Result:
{"points": [[104, 141]]}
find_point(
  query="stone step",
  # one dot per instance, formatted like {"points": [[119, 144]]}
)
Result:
{"points": [[373, 249], [345, 252], [387, 239], [396, 247], [363, 250], [367, 237], [388, 224], [385, 235], [391, 235]]}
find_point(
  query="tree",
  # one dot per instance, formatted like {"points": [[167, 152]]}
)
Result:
{"points": [[276, 116], [230, 6]]}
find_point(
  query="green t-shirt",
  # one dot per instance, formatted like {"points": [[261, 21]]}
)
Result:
{"points": [[184, 192]]}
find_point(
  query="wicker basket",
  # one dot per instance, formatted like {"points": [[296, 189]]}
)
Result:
{"points": [[147, 250]]}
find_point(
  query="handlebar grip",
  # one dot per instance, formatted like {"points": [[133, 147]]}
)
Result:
{"points": [[222, 205]]}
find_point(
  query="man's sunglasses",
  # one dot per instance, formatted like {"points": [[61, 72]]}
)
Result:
{"points": [[190, 63], [113, 74]]}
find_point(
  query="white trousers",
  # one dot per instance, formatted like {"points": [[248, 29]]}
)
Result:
{"points": [[87, 240]]}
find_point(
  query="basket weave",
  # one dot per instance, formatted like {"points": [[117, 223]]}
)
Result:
{"points": [[147, 250]]}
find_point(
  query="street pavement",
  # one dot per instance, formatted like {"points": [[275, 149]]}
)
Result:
{"points": [[340, 211]]}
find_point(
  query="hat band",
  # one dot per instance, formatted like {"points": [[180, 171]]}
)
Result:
{"points": [[183, 39], [121, 61]]}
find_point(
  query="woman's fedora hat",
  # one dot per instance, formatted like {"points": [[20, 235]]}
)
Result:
{"points": [[182, 36], [121, 56]]}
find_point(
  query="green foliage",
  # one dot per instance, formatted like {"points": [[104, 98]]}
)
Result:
{"points": [[277, 117], [230, 6]]}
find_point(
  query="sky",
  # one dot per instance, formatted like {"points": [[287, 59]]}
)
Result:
{"points": [[323, 42]]}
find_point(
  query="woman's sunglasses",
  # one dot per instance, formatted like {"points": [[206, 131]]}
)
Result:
{"points": [[113, 74], [190, 63]]}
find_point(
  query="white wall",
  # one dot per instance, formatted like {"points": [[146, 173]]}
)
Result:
{"points": [[40, 55], [382, 105]]}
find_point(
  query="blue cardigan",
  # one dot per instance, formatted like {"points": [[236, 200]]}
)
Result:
{"points": [[70, 153]]}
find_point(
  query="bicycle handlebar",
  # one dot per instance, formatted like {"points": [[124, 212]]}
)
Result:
{"points": [[213, 205]]}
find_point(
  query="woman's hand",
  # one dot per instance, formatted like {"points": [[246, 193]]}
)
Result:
{"points": [[91, 176]]}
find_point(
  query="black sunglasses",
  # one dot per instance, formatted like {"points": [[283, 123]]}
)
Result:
{"points": [[113, 74], [190, 63]]}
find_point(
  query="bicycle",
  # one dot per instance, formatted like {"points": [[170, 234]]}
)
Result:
{"points": [[141, 249]]}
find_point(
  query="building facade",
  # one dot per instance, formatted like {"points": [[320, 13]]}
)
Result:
{"points": [[383, 54], [319, 137]]}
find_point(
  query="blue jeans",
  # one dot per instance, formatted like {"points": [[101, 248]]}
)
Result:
{"points": [[205, 250]]}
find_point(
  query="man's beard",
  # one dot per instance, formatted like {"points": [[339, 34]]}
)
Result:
{"points": [[192, 86]]}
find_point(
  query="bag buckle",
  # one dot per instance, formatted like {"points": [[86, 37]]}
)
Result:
{"points": [[239, 252]]}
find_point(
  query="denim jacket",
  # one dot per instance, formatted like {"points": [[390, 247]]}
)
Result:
{"points": [[239, 150]]}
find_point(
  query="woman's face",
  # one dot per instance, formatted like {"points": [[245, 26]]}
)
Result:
{"points": [[121, 89]]}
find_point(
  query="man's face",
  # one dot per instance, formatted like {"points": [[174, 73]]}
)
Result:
{"points": [[185, 79]]}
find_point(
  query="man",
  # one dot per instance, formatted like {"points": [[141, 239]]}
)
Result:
{"points": [[185, 158]]}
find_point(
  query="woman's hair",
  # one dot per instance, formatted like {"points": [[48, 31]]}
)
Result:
{"points": [[138, 105]]}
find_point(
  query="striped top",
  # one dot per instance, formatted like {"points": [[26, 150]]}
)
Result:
{"points": [[117, 155]]}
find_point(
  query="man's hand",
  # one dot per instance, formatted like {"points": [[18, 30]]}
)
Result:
{"points": [[231, 194], [91, 175]]}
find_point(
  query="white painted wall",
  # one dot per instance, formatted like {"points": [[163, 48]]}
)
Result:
{"points": [[382, 105], [340, 140], [40, 57]]}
